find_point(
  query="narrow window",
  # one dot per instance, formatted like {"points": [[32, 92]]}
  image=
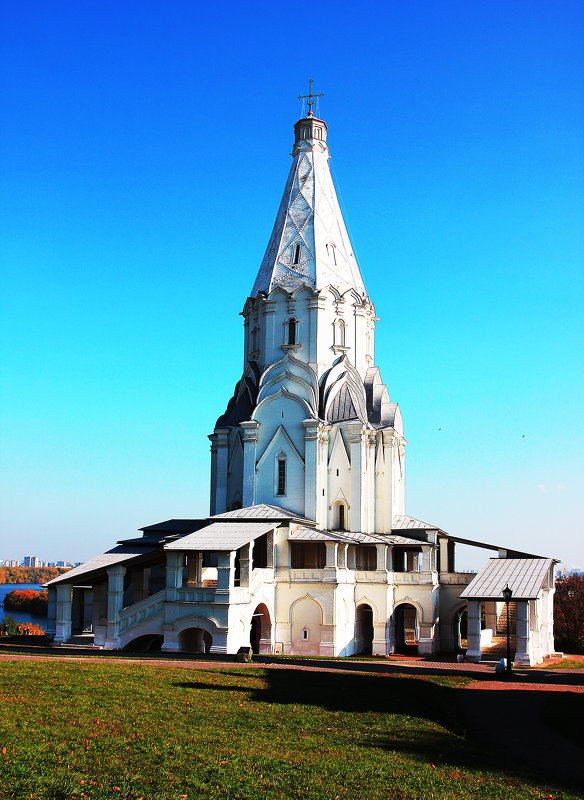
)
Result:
{"points": [[292, 331], [341, 517], [254, 340], [296, 256], [281, 476], [305, 634]]}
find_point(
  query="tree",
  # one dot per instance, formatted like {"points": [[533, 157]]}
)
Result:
{"points": [[569, 613]]}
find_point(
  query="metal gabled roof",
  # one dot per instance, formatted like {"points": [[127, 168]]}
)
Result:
{"points": [[222, 536], [118, 555], [261, 511], [524, 576], [351, 537], [404, 522], [174, 526]]}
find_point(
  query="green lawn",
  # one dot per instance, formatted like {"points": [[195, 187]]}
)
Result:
{"points": [[95, 730]]}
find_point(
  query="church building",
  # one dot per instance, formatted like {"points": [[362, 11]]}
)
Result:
{"points": [[307, 549]]}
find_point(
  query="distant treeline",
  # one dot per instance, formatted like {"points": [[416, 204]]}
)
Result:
{"points": [[30, 574], [27, 600]]}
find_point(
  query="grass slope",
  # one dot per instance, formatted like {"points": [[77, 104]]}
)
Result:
{"points": [[89, 730]]}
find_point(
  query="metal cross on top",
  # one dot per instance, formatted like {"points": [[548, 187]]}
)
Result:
{"points": [[310, 97]]}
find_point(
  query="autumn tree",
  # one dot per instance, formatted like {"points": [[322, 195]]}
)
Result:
{"points": [[569, 613]]}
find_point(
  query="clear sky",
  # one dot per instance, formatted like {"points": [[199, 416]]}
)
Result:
{"points": [[144, 149]]}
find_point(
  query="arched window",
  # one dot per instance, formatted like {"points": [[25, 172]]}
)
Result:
{"points": [[281, 475], [296, 251], [254, 339], [339, 332], [342, 517], [292, 331]]}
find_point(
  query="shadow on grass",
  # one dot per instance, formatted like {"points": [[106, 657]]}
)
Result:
{"points": [[416, 701]]}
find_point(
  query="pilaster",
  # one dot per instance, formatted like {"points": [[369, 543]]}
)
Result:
{"points": [[222, 463], [249, 436], [388, 444], [369, 478], [357, 443], [310, 467]]}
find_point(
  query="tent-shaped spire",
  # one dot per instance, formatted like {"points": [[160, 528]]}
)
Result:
{"points": [[309, 243]]}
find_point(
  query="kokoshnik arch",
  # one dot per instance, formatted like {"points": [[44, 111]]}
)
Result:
{"points": [[307, 548]]}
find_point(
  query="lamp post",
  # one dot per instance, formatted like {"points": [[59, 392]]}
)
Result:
{"points": [[507, 592]]}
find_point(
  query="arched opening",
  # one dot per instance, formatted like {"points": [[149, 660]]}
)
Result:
{"points": [[150, 642], [460, 624], [342, 526], [195, 640], [406, 629], [292, 331], [296, 250], [364, 629], [260, 636]]}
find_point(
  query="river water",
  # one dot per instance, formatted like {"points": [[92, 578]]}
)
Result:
{"points": [[20, 616]]}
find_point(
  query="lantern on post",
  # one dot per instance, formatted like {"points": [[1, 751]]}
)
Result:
{"points": [[507, 593]]}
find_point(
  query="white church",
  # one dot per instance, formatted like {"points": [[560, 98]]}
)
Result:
{"points": [[307, 549]]}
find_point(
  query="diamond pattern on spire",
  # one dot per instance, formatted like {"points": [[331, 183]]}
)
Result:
{"points": [[309, 215]]}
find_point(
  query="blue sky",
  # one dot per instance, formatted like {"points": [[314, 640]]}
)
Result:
{"points": [[145, 147]]}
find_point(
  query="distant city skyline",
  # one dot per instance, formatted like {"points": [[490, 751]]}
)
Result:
{"points": [[145, 149]]}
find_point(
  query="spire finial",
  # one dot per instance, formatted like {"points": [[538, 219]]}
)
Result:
{"points": [[310, 97]]}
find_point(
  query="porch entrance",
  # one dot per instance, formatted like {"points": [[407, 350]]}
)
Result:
{"points": [[406, 629], [364, 629], [260, 636]]}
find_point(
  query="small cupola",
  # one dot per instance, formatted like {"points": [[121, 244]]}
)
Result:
{"points": [[309, 131]]}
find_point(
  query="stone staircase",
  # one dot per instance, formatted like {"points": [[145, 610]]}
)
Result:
{"points": [[498, 647], [502, 620]]}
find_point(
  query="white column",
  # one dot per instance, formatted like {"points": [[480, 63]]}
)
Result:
{"points": [[474, 651], [174, 570], [330, 569], [245, 562], [379, 641], [381, 567], [250, 435], [225, 572], [426, 559], [523, 651], [51, 613], [115, 598], [99, 611], [63, 617]]}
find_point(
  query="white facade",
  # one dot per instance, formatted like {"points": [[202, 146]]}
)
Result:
{"points": [[307, 549]]}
